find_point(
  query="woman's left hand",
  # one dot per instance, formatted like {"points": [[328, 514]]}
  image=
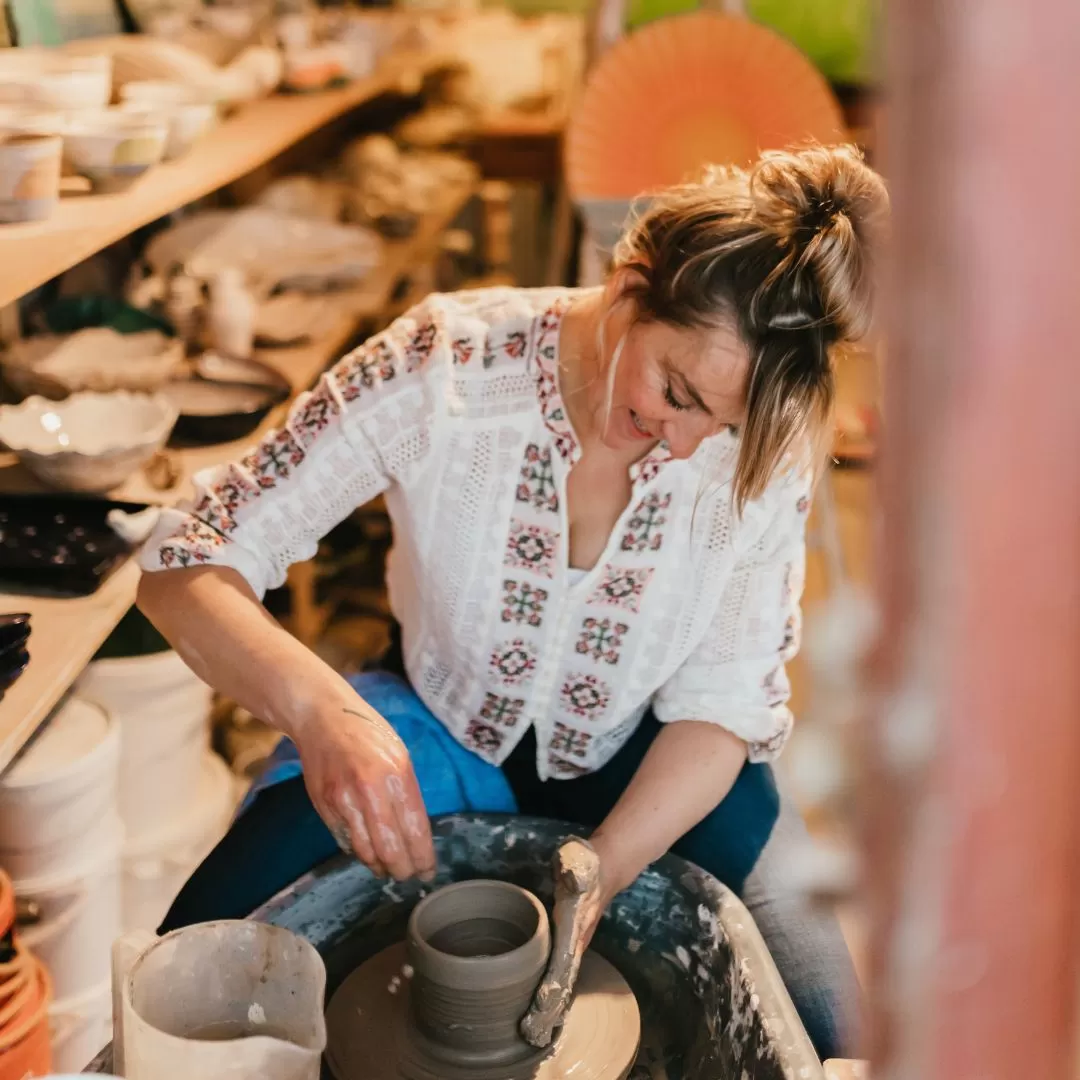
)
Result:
{"points": [[581, 898]]}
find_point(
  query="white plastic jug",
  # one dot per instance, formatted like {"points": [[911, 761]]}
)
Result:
{"points": [[219, 1001]]}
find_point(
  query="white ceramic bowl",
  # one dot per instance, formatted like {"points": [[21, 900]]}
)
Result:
{"points": [[187, 122], [113, 148], [159, 92], [54, 81], [89, 442]]}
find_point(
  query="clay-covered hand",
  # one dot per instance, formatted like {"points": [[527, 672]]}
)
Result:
{"points": [[580, 901], [361, 781]]}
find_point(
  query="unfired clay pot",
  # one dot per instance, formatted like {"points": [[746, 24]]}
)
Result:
{"points": [[478, 950]]}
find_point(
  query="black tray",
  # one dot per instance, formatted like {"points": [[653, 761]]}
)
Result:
{"points": [[59, 545]]}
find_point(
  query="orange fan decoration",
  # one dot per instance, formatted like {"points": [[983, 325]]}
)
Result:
{"points": [[690, 91]]}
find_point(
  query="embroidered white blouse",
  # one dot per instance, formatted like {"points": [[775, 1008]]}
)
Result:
{"points": [[454, 413]]}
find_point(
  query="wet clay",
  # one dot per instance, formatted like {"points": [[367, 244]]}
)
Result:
{"points": [[577, 883], [477, 951]]}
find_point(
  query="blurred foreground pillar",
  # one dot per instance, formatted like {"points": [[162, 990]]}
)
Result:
{"points": [[973, 800]]}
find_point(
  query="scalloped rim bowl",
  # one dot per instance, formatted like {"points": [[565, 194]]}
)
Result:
{"points": [[90, 441]]}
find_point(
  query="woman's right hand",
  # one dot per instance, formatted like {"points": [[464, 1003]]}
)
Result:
{"points": [[361, 781]]}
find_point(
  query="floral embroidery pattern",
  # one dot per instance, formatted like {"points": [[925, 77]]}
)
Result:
{"points": [[523, 603], [364, 368], [274, 458], [463, 350], [803, 505], [643, 529], [764, 749], [195, 543], [585, 696], [483, 737], [790, 635], [568, 740], [775, 686], [536, 487], [215, 513], [531, 547], [420, 344], [514, 346], [314, 416], [513, 663], [601, 639], [504, 711], [621, 588]]}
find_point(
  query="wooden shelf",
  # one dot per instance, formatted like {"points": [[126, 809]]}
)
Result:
{"points": [[67, 633], [33, 253]]}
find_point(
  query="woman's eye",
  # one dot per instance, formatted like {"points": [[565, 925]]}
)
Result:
{"points": [[674, 402]]}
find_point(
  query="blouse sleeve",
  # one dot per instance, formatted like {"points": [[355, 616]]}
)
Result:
{"points": [[735, 678], [367, 421]]}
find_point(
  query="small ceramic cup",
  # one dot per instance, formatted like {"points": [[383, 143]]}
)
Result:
{"points": [[187, 122], [29, 176], [112, 149]]}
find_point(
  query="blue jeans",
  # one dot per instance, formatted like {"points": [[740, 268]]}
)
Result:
{"points": [[746, 842]]}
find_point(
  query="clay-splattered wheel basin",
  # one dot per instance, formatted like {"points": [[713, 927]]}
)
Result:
{"points": [[712, 1003]]}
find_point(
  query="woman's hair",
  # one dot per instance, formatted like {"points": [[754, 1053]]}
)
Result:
{"points": [[783, 249]]}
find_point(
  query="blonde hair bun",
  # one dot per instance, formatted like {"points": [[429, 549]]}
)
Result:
{"points": [[828, 208]]}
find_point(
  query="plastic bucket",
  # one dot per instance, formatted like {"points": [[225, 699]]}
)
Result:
{"points": [[162, 708], [156, 865], [80, 917], [80, 1027], [25, 991], [64, 784]]}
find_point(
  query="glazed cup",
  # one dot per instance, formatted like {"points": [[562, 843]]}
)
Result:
{"points": [[29, 176], [478, 950], [112, 149], [187, 122]]}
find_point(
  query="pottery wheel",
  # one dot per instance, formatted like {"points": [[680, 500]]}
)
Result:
{"points": [[371, 1036]]}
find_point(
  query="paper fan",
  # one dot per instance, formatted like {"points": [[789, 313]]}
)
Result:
{"points": [[685, 92]]}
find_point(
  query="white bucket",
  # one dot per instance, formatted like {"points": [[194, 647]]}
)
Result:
{"points": [[80, 916], [156, 865], [162, 708], [80, 1027], [58, 790]]}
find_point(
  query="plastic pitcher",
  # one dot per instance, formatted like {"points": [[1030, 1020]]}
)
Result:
{"points": [[218, 1001]]}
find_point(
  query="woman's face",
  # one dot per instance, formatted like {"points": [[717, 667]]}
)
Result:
{"points": [[671, 383]]}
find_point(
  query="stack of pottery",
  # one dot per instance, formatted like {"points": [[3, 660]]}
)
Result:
{"points": [[61, 840], [174, 794], [24, 998], [36, 85]]}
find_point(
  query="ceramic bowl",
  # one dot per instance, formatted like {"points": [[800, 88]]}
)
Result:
{"points": [[29, 176], [213, 411], [159, 92], [187, 122], [61, 82], [111, 148], [90, 442]]}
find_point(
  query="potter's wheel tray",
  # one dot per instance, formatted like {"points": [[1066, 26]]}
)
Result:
{"points": [[371, 1035]]}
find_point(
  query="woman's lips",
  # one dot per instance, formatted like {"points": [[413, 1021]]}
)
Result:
{"points": [[638, 428]]}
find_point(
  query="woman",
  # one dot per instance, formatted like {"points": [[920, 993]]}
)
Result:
{"points": [[599, 500]]}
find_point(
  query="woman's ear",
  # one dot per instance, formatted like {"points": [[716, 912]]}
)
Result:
{"points": [[624, 283]]}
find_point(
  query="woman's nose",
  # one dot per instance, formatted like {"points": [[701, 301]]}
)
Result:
{"points": [[681, 441]]}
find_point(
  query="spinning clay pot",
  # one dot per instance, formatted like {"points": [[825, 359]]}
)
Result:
{"points": [[474, 953], [478, 950]]}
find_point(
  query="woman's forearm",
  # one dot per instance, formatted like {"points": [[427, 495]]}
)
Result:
{"points": [[688, 770], [211, 617], [356, 767]]}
